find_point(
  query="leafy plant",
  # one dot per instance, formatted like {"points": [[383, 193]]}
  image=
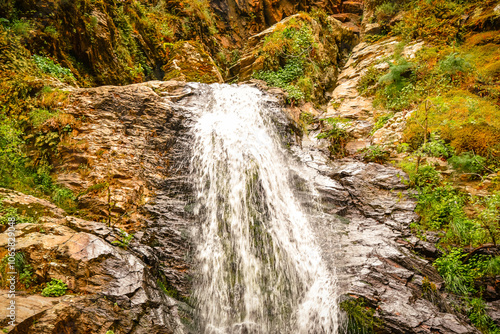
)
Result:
{"points": [[12, 212], [468, 162], [435, 147], [490, 216], [381, 121], [125, 239], [337, 136], [375, 153], [454, 65], [424, 176], [48, 66], [360, 317], [54, 288], [459, 277], [476, 310]]}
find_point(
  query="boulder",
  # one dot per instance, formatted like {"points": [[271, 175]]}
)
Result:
{"points": [[109, 288], [189, 62]]}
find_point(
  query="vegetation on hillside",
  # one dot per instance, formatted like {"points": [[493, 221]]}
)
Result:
{"points": [[301, 56], [451, 142]]}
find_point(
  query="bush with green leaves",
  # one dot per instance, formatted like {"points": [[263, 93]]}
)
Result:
{"points": [[476, 310], [381, 121], [124, 240], [55, 288], [435, 147], [458, 276], [468, 162], [490, 216], [439, 205], [337, 136], [375, 153], [25, 270], [454, 65], [423, 176], [386, 9], [11, 212], [48, 66]]}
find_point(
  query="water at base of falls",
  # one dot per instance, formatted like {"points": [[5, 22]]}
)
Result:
{"points": [[258, 268]]}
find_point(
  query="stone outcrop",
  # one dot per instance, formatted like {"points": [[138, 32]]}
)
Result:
{"points": [[347, 103], [332, 40], [370, 244], [110, 288], [189, 62], [249, 17]]}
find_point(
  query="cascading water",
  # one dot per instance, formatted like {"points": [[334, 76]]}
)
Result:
{"points": [[259, 269]]}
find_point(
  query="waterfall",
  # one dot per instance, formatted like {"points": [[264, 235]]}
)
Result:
{"points": [[258, 268]]}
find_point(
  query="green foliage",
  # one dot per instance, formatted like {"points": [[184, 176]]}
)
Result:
{"points": [[283, 79], [476, 310], [424, 176], [360, 317], [396, 72], [55, 288], [468, 162], [381, 121], [375, 153], [436, 21], [22, 267], [124, 240], [336, 135], [490, 216], [63, 197], [39, 116], [435, 147], [458, 276], [21, 27], [454, 65], [11, 212], [368, 80], [291, 46], [386, 9], [439, 206], [48, 66]]}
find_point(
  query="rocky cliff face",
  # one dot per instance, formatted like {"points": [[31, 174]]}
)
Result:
{"points": [[134, 140]]}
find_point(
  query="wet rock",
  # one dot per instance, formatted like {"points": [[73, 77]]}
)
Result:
{"points": [[493, 310], [427, 249], [372, 260], [111, 283]]}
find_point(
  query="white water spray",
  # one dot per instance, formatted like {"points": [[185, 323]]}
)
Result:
{"points": [[258, 267]]}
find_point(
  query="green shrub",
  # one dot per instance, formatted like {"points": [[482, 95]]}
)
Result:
{"points": [[459, 277], [375, 153], [439, 205], [468, 162], [424, 176], [55, 288], [360, 317], [39, 116], [48, 66], [476, 310], [337, 136], [454, 65], [386, 9], [124, 240], [490, 216], [435, 147], [63, 197]]}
